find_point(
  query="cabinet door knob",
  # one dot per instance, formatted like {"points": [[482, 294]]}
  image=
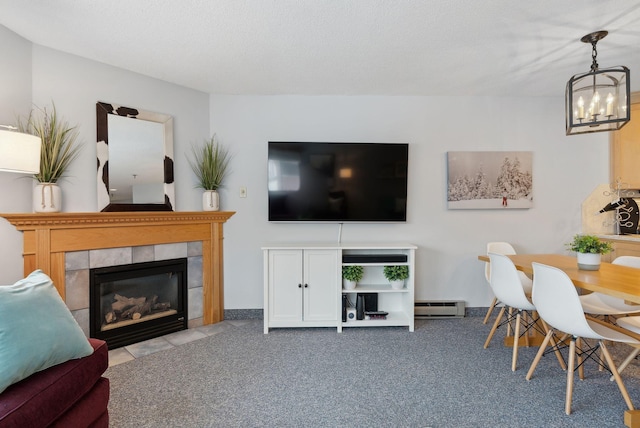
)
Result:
{"points": [[306, 286], [299, 285]]}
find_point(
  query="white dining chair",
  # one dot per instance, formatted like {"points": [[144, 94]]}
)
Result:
{"points": [[602, 304], [506, 249], [507, 286], [558, 303]]}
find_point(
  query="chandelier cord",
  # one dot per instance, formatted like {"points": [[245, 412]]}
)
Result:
{"points": [[594, 54]]}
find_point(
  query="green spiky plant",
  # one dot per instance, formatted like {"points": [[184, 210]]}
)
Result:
{"points": [[59, 142], [210, 164]]}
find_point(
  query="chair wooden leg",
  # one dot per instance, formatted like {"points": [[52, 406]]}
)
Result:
{"points": [[526, 336], [553, 342], [543, 346], [516, 336], [600, 368], [580, 360], [616, 375], [572, 358], [492, 306], [494, 328], [509, 323], [628, 360]]}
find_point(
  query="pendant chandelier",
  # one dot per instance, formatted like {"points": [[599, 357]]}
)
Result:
{"points": [[598, 100]]}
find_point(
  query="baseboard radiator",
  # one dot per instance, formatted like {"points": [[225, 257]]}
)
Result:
{"points": [[439, 309]]}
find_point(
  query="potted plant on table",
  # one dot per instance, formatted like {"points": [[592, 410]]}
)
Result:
{"points": [[396, 275], [59, 148], [210, 165], [352, 274], [589, 250]]}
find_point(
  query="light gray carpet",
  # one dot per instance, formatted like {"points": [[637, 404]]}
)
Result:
{"points": [[438, 376]]}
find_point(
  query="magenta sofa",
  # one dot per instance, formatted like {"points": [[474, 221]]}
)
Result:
{"points": [[71, 394]]}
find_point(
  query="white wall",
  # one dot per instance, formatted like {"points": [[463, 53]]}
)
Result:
{"points": [[566, 170], [42, 76], [15, 189], [75, 84]]}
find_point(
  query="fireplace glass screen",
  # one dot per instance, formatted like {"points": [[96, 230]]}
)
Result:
{"points": [[131, 303]]}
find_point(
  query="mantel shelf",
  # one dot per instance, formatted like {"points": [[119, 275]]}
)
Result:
{"points": [[48, 236], [26, 221]]}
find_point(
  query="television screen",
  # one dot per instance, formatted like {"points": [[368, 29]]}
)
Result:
{"points": [[337, 182]]}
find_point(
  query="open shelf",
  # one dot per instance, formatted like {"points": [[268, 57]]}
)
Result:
{"points": [[375, 288], [395, 318]]}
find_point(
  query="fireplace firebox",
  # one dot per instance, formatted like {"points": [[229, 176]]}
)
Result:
{"points": [[136, 302]]}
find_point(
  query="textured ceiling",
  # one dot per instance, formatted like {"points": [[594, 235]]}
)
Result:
{"points": [[335, 47]]}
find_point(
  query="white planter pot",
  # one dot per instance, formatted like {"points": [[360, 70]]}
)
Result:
{"points": [[210, 200], [349, 285], [398, 284], [589, 261], [47, 198]]}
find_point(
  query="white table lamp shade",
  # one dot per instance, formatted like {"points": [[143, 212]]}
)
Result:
{"points": [[19, 152]]}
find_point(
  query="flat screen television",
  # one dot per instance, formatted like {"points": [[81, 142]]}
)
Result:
{"points": [[337, 182]]}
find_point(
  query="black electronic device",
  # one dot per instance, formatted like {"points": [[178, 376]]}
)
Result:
{"points": [[374, 258], [370, 301], [360, 307], [337, 182], [376, 315], [345, 304]]}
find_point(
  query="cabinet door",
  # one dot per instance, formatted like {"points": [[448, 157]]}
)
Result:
{"points": [[624, 248], [285, 276], [625, 152], [320, 285]]}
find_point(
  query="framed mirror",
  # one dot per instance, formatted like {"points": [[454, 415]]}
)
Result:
{"points": [[135, 159]]}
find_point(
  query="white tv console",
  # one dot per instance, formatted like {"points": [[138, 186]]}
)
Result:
{"points": [[303, 284]]}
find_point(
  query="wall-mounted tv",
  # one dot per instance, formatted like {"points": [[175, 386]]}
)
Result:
{"points": [[337, 182]]}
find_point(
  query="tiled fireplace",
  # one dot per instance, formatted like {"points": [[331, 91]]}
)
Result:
{"points": [[78, 265], [67, 245]]}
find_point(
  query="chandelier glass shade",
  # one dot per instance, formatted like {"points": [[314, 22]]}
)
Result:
{"points": [[598, 100]]}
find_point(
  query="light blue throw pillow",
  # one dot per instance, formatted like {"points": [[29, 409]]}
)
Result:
{"points": [[37, 330]]}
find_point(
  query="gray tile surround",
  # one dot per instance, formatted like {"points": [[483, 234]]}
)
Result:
{"points": [[77, 288], [170, 251], [143, 253], [78, 264], [194, 271], [195, 303], [110, 257]]}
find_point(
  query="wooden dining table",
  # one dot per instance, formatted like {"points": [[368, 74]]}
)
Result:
{"points": [[615, 280]]}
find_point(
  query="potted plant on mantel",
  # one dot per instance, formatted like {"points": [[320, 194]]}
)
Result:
{"points": [[396, 275], [352, 274], [589, 250], [59, 148], [211, 166]]}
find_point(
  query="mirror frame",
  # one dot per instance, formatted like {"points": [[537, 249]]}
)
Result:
{"points": [[103, 110]]}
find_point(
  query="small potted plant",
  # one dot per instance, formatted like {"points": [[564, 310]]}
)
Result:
{"points": [[396, 275], [210, 165], [589, 250], [59, 148], [352, 274]]}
